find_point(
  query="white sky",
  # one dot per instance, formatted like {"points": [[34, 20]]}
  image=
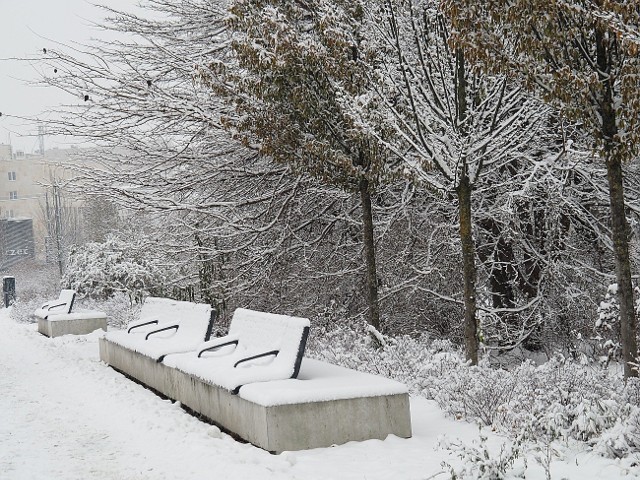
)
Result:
{"points": [[26, 27]]}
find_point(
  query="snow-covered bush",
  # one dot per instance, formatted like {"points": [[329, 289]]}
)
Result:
{"points": [[405, 358], [22, 310], [119, 308], [560, 399], [623, 439], [100, 270], [480, 393], [35, 284], [607, 326], [478, 461]]}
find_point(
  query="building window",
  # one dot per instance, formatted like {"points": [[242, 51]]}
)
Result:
{"points": [[13, 195], [12, 176]]}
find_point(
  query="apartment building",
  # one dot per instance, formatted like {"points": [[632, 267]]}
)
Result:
{"points": [[32, 205]]}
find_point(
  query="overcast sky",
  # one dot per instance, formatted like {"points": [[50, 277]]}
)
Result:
{"points": [[28, 26]]}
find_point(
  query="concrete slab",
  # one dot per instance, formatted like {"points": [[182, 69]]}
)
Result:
{"points": [[80, 323]]}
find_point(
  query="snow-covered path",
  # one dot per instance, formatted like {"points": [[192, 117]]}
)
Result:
{"points": [[64, 415]]}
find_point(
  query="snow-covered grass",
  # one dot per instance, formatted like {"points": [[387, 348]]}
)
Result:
{"points": [[65, 415]]}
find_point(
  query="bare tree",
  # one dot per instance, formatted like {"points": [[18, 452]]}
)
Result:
{"points": [[454, 126], [582, 57]]}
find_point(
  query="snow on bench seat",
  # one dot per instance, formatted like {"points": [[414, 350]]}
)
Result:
{"points": [[165, 326], [260, 347], [277, 401], [63, 304], [321, 382]]}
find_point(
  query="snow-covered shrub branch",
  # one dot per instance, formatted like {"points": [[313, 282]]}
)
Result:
{"points": [[101, 270]]}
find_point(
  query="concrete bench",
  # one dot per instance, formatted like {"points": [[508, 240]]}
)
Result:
{"points": [[325, 405], [63, 304], [165, 326], [77, 323], [55, 317], [255, 383]]}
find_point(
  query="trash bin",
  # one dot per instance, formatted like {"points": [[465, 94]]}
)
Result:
{"points": [[9, 290]]}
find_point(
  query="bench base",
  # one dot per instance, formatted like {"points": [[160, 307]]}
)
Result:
{"points": [[275, 428], [145, 370], [57, 325]]}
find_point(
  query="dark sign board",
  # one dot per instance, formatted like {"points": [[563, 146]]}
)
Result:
{"points": [[16, 240]]}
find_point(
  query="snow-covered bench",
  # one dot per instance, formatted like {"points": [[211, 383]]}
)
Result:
{"points": [[260, 347], [165, 327], [55, 317], [325, 405], [63, 304], [255, 383]]}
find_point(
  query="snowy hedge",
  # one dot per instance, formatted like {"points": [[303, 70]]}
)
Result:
{"points": [[100, 270], [557, 400]]}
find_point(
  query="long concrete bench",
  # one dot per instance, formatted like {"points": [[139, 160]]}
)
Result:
{"points": [[165, 327], [325, 405], [255, 384]]}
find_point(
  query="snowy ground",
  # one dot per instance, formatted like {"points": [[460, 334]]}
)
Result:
{"points": [[64, 415]]}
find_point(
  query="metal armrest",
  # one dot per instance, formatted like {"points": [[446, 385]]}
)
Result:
{"points": [[216, 346], [164, 329], [253, 357], [151, 322], [56, 305]]}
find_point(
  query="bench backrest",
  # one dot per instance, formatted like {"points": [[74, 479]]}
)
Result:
{"points": [[195, 319], [63, 304], [68, 297], [261, 331]]}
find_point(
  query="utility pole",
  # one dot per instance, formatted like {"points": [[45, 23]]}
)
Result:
{"points": [[41, 139], [57, 224]]}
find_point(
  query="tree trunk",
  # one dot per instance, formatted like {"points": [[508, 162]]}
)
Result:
{"points": [[620, 230], [619, 226], [468, 270], [466, 235], [373, 311]]}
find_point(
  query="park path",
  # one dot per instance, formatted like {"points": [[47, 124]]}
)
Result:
{"points": [[66, 416]]}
